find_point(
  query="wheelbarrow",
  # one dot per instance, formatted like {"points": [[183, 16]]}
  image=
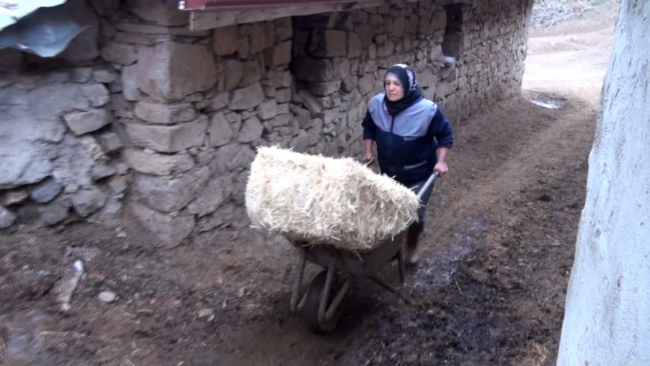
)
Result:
{"points": [[321, 302]]}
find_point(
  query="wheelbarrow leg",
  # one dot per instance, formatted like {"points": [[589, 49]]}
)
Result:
{"points": [[401, 262], [402, 275], [296, 288], [323, 314], [324, 298], [337, 300]]}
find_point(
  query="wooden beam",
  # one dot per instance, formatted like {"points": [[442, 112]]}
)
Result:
{"points": [[204, 20]]}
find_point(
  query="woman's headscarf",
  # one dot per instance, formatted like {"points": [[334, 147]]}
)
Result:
{"points": [[412, 91]]}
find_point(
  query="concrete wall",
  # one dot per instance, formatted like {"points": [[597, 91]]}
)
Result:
{"points": [[161, 122], [607, 317]]}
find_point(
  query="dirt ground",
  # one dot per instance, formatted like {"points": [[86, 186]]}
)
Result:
{"points": [[489, 289]]}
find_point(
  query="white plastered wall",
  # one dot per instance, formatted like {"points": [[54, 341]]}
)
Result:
{"points": [[607, 319]]}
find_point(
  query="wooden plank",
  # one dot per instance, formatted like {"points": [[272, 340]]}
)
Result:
{"points": [[204, 20]]}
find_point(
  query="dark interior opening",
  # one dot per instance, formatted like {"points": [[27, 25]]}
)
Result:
{"points": [[453, 40]]}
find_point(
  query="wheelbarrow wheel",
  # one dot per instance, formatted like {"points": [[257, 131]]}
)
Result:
{"points": [[312, 305]]}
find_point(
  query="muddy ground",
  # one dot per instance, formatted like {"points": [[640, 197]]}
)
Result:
{"points": [[489, 289]]}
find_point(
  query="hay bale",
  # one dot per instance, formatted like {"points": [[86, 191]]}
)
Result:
{"points": [[324, 200]]}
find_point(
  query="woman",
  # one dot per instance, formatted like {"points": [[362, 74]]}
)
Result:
{"points": [[413, 137]]}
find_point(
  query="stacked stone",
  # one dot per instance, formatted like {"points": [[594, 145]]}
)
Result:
{"points": [[340, 60], [178, 113], [59, 154], [494, 50], [192, 106]]}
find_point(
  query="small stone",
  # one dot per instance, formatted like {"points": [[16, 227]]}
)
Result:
{"points": [[248, 114], [244, 47], [354, 45], [325, 89], [281, 120], [122, 169], [112, 210], [101, 171], [247, 98], [120, 53], [286, 79], [110, 142], [262, 36], [252, 72], [46, 191], [81, 75], [303, 116], [122, 234], [97, 94], [225, 40], [202, 105], [171, 71], [267, 110], [205, 313], [310, 102], [169, 138], [54, 213], [164, 113], [83, 122], [211, 197], [6, 218], [278, 55], [308, 69], [399, 25], [231, 157], [220, 130], [157, 164], [117, 184], [233, 71], [89, 201], [91, 148], [283, 95], [130, 83], [15, 197], [283, 28], [58, 77], [103, 76], [72, 188], [251, 130], [193, 98], [171, 195], [220, 101], [269, 91], [107, 296]]}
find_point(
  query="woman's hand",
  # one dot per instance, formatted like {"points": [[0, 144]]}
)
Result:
{"points": [[441, 168], [368, 157]]}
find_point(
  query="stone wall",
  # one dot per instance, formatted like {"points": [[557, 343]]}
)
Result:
{"points": [[163, 124]]}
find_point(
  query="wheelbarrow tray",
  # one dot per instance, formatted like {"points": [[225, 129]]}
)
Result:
{"points": [[356, 263]]}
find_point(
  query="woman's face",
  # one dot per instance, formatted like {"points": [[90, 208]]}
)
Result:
{"points": [[394, 90]]}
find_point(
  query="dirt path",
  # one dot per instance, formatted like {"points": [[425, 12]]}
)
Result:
{"points": [[489, 290]]}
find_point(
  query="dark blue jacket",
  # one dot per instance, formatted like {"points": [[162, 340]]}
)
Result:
{"points": [[407, 143]]}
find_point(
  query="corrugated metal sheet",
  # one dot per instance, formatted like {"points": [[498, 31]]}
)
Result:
{"points": [[229, 5], [11, 11], [44, 31]]}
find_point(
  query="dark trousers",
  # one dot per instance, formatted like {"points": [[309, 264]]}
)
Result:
{"points": [[417, 227]]}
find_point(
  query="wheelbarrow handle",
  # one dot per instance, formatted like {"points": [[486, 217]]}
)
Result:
{"points": [[427, 184]]}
